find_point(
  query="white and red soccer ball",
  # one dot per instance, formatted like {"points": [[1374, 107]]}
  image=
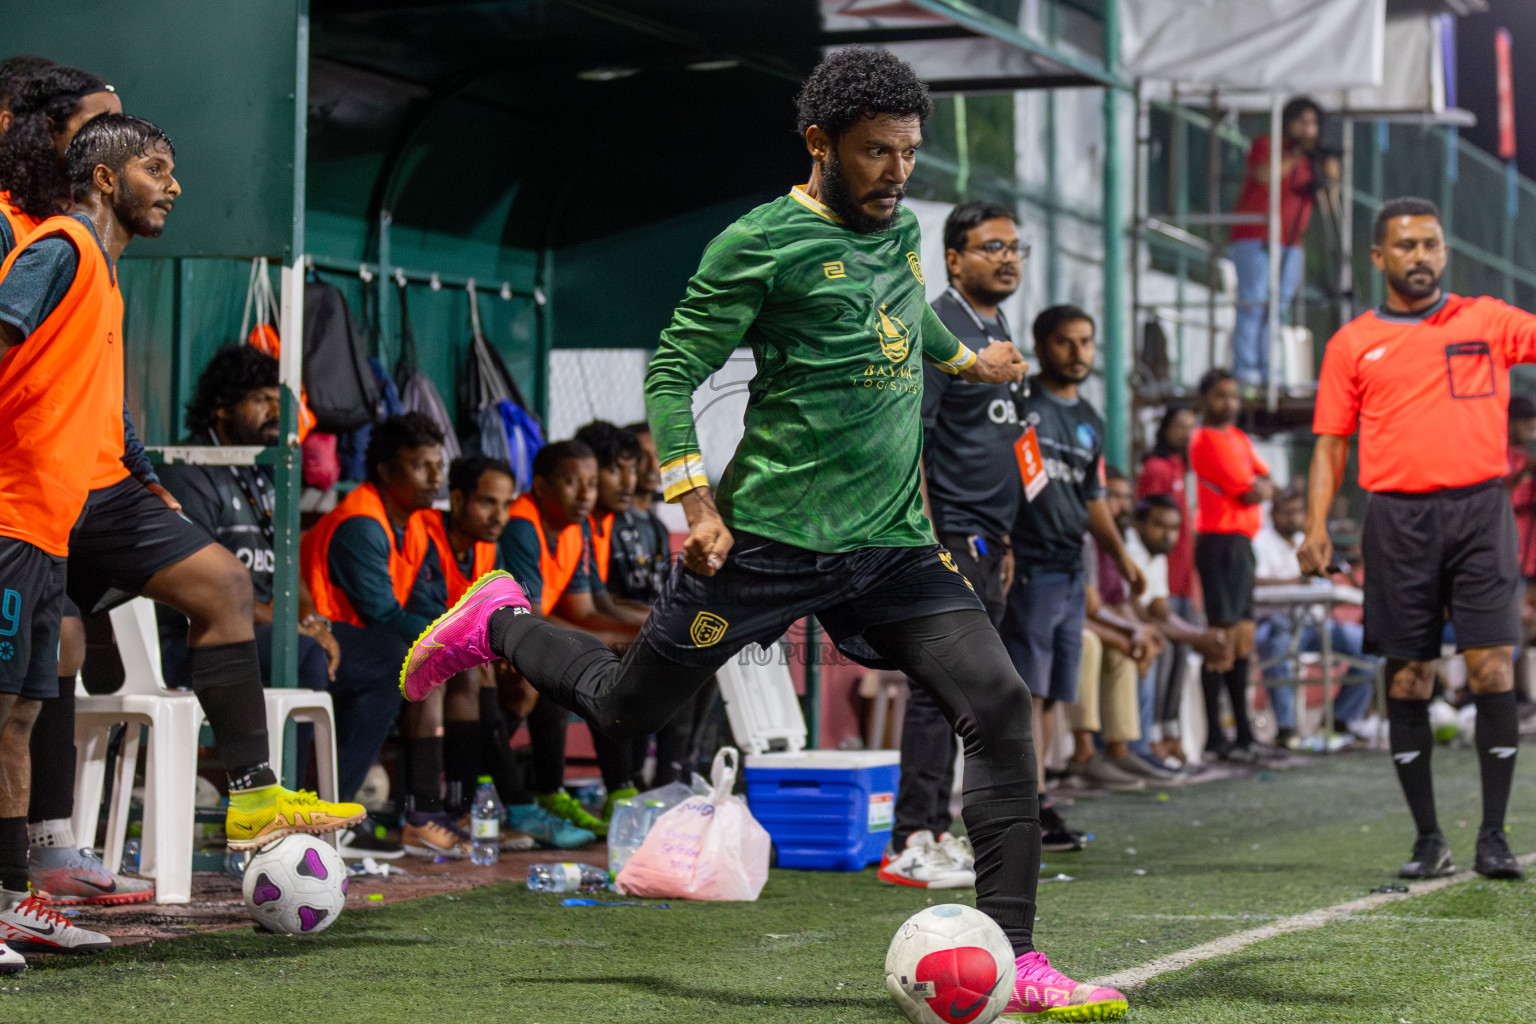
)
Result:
{"points": [[296, 886], [950, 965]]}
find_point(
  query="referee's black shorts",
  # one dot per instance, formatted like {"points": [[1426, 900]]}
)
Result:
{"points": [[125, 534], [1226, 566], [1450, 552]]}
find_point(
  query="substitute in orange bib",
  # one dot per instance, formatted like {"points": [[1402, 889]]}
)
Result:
{"points": [[373, 570], [1425, 380], [548, 547]]}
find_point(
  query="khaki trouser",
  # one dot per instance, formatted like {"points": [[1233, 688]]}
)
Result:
{"points": [[1106, 680]]}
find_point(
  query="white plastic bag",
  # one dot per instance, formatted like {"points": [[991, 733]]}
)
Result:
{"points": [[705, 848]]}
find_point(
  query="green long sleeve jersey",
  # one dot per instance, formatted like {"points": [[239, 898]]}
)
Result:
{"points": [[830, 457]]}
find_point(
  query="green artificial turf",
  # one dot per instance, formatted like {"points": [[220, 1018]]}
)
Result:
{"points": [[1218, 858]]}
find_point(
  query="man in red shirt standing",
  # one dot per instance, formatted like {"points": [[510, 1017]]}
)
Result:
{"points": [[1248, 245], [1233, 482], [1425, 379], [1163, 472]]}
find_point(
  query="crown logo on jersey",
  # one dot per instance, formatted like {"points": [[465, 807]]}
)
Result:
{"points": [[893, 335]]}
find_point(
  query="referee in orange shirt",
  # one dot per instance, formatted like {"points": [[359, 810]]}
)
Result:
{"points": [[1425, 379]]}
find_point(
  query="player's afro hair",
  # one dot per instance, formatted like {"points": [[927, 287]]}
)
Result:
{"points": [[857, 83], [41, 101]]}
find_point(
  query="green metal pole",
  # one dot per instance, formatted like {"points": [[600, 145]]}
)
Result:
{"points": [[1116, 322], [285, 541]]}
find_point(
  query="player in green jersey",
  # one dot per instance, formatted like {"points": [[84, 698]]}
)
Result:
{"points": [[820, 510]]}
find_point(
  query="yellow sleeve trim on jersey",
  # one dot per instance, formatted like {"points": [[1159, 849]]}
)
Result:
{"points": [[961, 360], [813, 205], [681, 475]]}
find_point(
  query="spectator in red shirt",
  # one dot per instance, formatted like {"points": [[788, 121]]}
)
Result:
{"points": [[1301, 174], [1425, 379], [1232, 483], [1164, 473]]}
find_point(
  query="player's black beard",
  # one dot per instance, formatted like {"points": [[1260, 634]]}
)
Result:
{"points": [[839, 199], [135, 214], [1412, 289]]}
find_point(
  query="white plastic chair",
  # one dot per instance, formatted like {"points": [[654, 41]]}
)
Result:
{"points": [[170, 774], [175, 719], [314, 707]]}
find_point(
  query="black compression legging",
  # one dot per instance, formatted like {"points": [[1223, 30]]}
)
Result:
{"points": [[956, 656]]}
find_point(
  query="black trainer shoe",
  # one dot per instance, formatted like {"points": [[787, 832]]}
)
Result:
{"points": [[1493, 857], [1055, 835], [367, 839], [1431, 858]]}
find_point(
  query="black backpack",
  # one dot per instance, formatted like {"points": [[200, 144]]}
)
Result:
{"points": [[342, 391]]}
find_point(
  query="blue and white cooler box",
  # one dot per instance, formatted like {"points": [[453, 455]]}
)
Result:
{"points": [[826, 810]]}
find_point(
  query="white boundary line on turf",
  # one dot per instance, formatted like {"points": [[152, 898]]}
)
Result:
{"points": [[1135, 977]]}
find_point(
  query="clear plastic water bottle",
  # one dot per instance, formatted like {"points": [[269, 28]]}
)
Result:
{"points": [[625, 833], [567, 878], [485, 823], [235, 862], [131, 855]]}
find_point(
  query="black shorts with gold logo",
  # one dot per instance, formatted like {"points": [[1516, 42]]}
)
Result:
{"points": [[766, 586]]}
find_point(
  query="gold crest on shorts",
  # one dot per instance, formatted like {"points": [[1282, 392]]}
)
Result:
{"points": [[948, 560], [707, 629]]}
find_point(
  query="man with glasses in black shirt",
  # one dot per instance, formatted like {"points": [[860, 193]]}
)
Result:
{"points": [[972, 487]]}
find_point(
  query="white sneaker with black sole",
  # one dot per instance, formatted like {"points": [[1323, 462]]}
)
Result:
{"points": [[32, 926], [924, 864]]}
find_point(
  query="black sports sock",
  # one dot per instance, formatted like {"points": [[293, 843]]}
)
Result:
{"points": [[1211, 684], [1007, 861], [53, 756], [425, 775], [1497, 737], [1412, 741], [227, 681], [496, 751], [553, 660], [461, 759], [547, 726], [615, 761], [13, 853], [1236, 679]]}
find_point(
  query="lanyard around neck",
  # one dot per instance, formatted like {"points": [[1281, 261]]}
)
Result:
{"points": [[970, 311]]}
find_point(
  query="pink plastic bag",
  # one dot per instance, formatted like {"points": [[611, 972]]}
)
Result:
{"points": [[705, 848], [322, 468]]}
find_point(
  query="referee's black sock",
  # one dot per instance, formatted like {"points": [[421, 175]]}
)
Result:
{"points": [[1237, 694], [227, 681], [1497, 736], [1412, 741], [1211, 684]]}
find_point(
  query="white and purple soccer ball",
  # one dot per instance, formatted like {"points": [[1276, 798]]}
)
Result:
{"points": [[296, 886]]}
